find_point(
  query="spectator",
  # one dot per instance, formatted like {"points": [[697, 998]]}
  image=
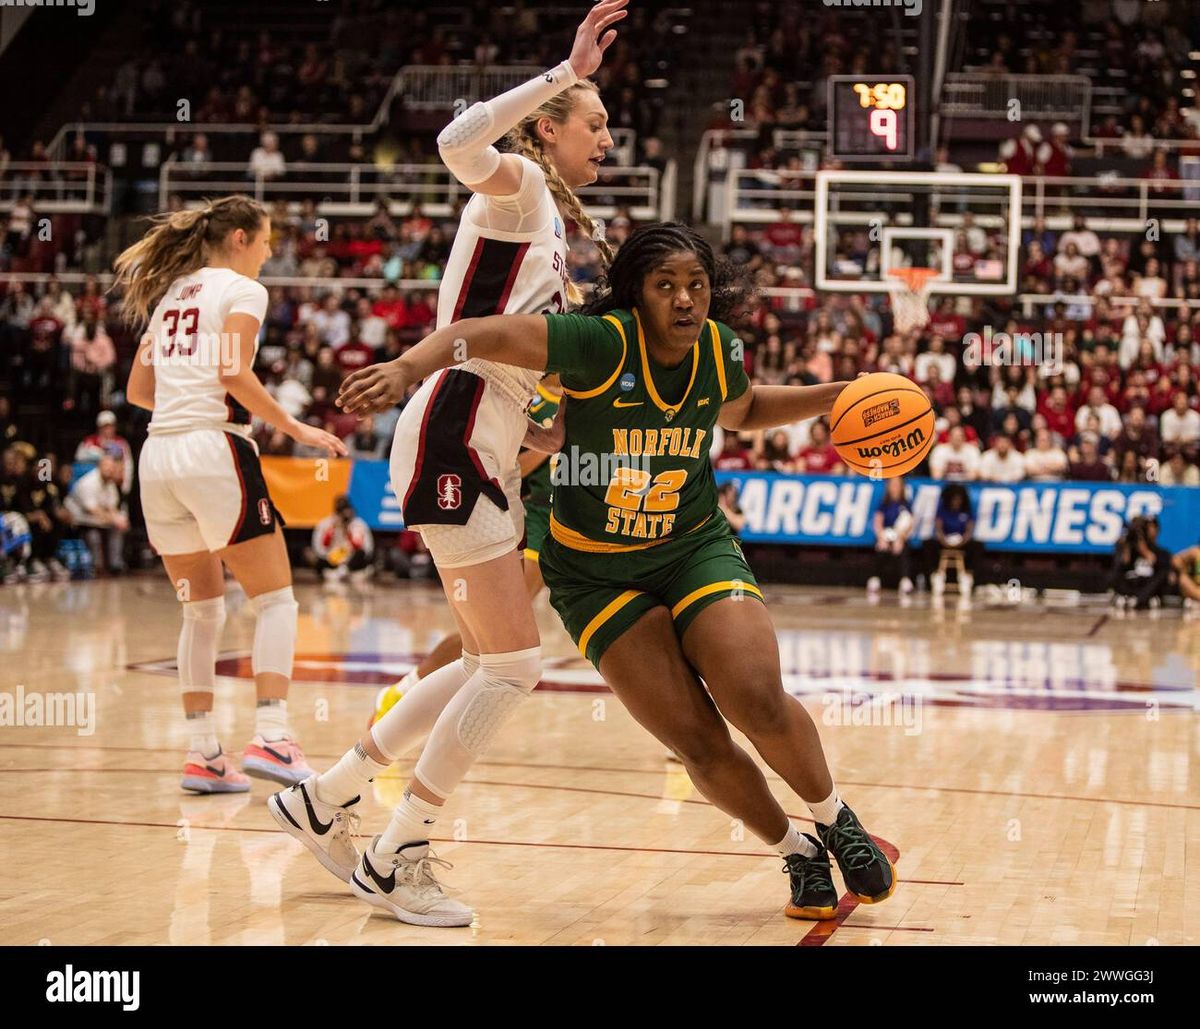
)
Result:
{"points": [[40, 503], [1060, 419], [935, 357], [333, 324], [93, 359], [775, 455], [892, 524], [955, 460], [1141, 568], [1002, 462], [106, 441], [342, 545], [1089, 467], [1176, 471], [95, 506], [1136, 436], [1097, 405], [953, 529], [1180, 425], [733, 456], [371, 327], [819, 456], [266, 160], [1046, 461], [365, 443], [742, 250]]}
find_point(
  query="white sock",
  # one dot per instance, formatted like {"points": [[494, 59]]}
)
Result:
{"points": [[349, 777], [270, 720], [795, 842], [826, 811], [411, 823], [204, 733]]}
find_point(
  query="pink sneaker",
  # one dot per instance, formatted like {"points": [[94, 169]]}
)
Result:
{"points": [[212, 774], [280, 761]]}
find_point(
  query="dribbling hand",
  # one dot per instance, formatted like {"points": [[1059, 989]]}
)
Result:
{"points": [[591, 39]]}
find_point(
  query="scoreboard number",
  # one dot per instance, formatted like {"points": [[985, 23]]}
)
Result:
{"points": [[871, 118]]}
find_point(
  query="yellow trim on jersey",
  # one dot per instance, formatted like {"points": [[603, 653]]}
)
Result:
{"points": [[719, 358], [609, 611], [530, 555], [545, 394], [607, 384], [578, 541], [714, 587], [672, 408]]}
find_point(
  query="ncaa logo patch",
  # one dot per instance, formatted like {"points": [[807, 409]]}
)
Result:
{"points": [[558, 227], [627, 382], [264, 511], [449, 491]]}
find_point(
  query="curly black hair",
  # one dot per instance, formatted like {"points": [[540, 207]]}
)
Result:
{"points": [[621, 285]]}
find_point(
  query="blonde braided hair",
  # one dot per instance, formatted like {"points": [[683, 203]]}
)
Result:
{"points": [[523, 139]]}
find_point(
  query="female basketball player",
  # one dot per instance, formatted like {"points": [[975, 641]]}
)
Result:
{"points": [[203, 494], [644, 569], [454, 467], [535, 497]]}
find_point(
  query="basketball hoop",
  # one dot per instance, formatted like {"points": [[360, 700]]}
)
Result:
{"points": [[910, 297]]}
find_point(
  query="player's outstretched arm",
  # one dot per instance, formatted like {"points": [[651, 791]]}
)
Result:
{"points": [[766, 407], [518, 339]]}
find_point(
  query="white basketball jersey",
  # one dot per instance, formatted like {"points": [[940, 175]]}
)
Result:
{"points": [[509, 257], [188, 347]]}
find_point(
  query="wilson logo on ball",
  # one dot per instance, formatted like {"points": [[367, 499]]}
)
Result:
{"points": [[915, 440]]}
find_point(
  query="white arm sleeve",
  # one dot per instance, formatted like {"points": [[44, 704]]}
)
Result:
{"points": [[466, 143]]}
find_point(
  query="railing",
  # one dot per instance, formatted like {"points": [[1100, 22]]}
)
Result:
{"points": [[715, 157], [979, 95], [354, 188], [1110, 204], [63, 186], [423, 86], [436, 86]]}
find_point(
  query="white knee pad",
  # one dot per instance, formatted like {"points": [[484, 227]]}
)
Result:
{"points": [[275, 632], [472, 719], [203, 621], [411, 720]]}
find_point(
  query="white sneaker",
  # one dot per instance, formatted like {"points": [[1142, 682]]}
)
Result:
{"points": [[906, 585], [966, 583], [37, 572], [58, 570], [325, 829], [404, 884], [873, 584], [937, 583], [363, 576]]}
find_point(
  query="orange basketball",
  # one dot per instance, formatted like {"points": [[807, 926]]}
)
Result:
{"points": [[882, 425]]}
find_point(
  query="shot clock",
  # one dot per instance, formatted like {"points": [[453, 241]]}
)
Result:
{"points": [[871, 117]]}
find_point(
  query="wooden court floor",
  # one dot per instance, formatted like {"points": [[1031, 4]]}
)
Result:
{"points": [[1035, 768]]}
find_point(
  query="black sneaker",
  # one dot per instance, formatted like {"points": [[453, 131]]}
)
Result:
{"points": [[868, 873], [813, 893]]}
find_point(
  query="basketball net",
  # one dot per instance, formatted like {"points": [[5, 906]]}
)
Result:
{"points": [[910, 298]]}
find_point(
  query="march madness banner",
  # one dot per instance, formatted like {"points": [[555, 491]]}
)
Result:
{"points": [[1079, 517]]}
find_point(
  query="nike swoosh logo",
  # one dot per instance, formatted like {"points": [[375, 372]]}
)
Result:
{"points": [[278, 756], [319, 827], [430, 821], [215, 771], [388, 884], [618, 403]]}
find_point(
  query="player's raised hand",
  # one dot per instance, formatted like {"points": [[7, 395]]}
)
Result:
{"points": [[311, 436], [373, 389], [594, 36]]}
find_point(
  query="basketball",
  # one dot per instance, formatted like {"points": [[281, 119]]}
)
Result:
{"points": [[882, 424]]}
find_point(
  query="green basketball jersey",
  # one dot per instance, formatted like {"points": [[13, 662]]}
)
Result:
{"points": [[535, 487], [634, 470]]}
